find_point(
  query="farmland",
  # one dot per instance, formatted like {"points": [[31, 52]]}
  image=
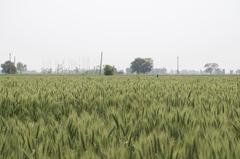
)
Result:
{"points": [[171, 117]]}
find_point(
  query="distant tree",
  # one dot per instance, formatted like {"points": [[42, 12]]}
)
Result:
{"points": [[60, 68], [76, 70], [238, 71], [109, 70], [211, 68], [49, 70], [218, 71], [46, 70], [223, 72], [142, 65], [120, 72], [9, 68], [21, 67], [128, 70]]}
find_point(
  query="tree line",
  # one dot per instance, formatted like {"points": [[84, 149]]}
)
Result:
{"points": [[9, 67], [137, 66]]}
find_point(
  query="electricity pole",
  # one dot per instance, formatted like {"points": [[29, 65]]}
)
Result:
{"points": [[100, 70], [178, 65], [14, 61], [10, 57]]}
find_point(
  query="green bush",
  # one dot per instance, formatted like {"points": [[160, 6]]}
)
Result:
{"points": [[109, 70]]}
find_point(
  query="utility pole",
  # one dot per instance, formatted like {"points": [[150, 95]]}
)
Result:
{"points": [[178, 65], [14, 60], [100, 70], [10, 57]]}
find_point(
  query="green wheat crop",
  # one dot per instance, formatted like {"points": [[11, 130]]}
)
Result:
{"points": [[71, 117]]}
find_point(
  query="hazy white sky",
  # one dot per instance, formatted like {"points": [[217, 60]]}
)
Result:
{"points": [[46, 32]]}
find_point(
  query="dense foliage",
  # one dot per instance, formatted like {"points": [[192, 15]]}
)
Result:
{"points": [[142, 65], [8, 68], [109, 70], [119, 117]]}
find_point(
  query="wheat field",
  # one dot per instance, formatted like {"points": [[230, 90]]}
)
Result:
{"points": [[119, 117]]}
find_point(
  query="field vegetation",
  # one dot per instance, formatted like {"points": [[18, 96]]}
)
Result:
{"points": [[70, 117]]}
